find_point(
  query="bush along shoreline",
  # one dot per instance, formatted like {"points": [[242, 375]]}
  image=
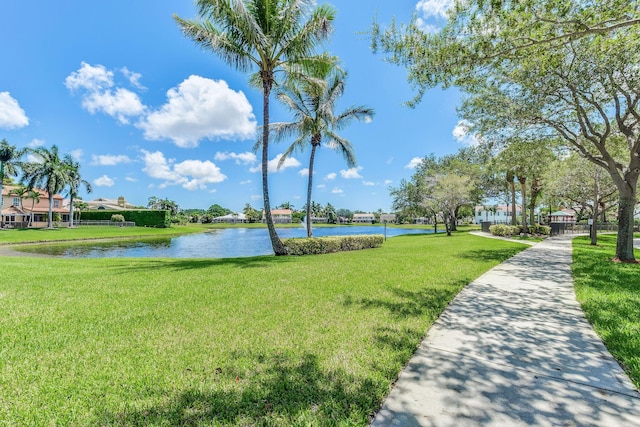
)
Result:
{"points": [[325, 245]]}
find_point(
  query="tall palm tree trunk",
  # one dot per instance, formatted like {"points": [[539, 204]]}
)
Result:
{"points": [[276, 243], [1, 198], [71, 211], [314, 146], [50, 215]]}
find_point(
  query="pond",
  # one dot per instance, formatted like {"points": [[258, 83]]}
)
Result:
{"points": [[219, 243]]}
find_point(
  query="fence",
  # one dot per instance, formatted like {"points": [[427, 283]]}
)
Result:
{"points": [[569, 228], [106, 222]]}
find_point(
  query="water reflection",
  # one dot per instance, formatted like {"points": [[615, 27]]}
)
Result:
{"points": [[222, 243]]}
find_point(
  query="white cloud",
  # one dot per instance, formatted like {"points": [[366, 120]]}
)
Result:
{"points": [[389, 160], [388, 182], [109, 159], [434, 8], [256, 197], [351, 173], [101, 95], [131, 179], [120, 104], [368, 183], [245, 182], [289, 162], [36, 143], [246, 158], [201, 108], [303, 172], [321, 186], [191, 174], [104, 181], [462, 133], [77, 154], [414, 163], [337, 190], [88, 77], [331, 176], [202, 173], [133, 77], [11, 115], [368, 119]]}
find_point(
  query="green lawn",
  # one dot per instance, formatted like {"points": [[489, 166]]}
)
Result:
{"points": [[610, 297], [251, 341], [29, 235]]}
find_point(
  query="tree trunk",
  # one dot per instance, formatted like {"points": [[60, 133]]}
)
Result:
{"points": [[535, 191], [514, 218], [50, 215], [309, 188], [1, 198], [454, 220], [523, 189], [276, 243], [593, 232], [624, 243], [71, 211]]}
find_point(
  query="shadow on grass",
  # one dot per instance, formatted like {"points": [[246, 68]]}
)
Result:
{"points": [[425, 302], [287, 391], [178, 264], [490, 255]]}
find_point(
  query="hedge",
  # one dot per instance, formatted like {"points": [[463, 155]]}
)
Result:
{"points": [[511, 230], [142, 217], [505, 230], [325, 245]]}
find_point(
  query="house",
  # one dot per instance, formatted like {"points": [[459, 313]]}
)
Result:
{"points": [[279, 216], [363, 218], [25, 212], [232, 218], [109, 204], [387, 218], [501, 215]]}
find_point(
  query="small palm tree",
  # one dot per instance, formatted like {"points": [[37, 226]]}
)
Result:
{"points": [[35, 198], [268, 35], [21, 193], [49, 172], [9, 163], [312, 99], [75, 181]]}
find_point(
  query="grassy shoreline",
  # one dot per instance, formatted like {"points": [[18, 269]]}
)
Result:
{"points": [[609, 294], [245, 341]]}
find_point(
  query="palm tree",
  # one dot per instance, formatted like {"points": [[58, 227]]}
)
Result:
{"points": [[35, 198], [49, 172], [74, 183], [267, 34], [312, 99], [9, 162], [79, 206]]}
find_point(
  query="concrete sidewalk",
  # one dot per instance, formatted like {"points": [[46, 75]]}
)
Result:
{"points": [[514, 349]]}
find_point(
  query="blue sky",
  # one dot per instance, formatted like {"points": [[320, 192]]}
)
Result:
{"points": [[148, 113]]}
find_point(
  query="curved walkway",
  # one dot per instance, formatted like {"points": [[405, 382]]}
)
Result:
{"points": [[514, 349]]}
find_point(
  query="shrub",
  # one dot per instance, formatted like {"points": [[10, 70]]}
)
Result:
{"points": [[117, 218], [325, 245], [540, 229], [505, 230]]}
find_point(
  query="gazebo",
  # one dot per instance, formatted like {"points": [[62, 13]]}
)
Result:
{"points": [[562, 216]]}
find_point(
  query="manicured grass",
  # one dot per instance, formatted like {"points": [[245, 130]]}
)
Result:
{"points": [[283, 341], [610, 297], [92, 232]]}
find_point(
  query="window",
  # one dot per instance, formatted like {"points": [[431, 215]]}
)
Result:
{"points": [[16, 201], [56, 203]]}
